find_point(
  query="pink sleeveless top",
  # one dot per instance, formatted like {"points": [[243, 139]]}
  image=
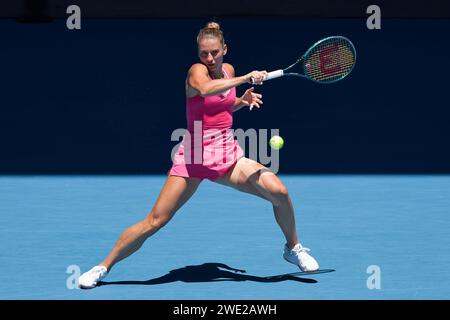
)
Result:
{"points": [[208, 149]]}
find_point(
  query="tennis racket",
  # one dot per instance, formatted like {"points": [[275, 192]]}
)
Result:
{"points": [[328, 60]]}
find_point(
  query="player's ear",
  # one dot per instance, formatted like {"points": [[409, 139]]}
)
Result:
{"points": [[225, 48]]}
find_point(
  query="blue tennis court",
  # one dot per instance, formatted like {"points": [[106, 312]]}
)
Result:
{"points": [[51, 225]]}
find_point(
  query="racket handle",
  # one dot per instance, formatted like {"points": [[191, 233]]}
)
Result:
{"points": [[271, 75], [274, 74]]}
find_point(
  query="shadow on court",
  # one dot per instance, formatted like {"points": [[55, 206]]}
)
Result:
{"points": [[209, 272]]}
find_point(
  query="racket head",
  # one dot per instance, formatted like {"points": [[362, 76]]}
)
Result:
{"points": [[329, 60]]}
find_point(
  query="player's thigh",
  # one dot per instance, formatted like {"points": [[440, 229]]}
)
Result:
{"points": [[252, 177], [175, 192]]}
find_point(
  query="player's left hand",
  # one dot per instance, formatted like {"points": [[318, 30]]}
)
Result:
{"points": [[251, 99]]}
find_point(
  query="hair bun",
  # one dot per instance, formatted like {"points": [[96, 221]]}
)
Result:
{"points": [[213, 25]]}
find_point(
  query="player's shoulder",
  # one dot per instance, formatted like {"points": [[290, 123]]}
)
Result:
{"points": [[229, 68], [198, 67]]}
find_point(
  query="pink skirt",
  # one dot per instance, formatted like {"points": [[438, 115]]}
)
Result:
{"points": [[211, 158]]}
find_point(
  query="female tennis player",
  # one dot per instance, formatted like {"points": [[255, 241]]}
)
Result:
{"points": [[210, 101]]}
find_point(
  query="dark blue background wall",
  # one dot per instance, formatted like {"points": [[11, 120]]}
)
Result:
{"points": [[106, 99]]}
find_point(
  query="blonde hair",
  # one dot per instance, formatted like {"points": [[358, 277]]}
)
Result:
{"points": [[212, 30]]}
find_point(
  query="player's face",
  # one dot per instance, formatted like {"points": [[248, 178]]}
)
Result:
{"points": [[211, 52]]}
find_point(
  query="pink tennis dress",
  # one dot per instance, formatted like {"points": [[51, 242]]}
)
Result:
{"points": [[208, 149]]}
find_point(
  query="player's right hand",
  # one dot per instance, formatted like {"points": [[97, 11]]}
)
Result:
{"points": [[256, 77]]}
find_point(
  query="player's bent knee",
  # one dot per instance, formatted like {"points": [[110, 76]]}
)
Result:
{"points": [[283, 191], [280, 194], [154, 222]]}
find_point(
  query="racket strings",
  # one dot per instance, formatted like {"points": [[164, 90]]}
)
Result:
{"points": [[330, 61]]}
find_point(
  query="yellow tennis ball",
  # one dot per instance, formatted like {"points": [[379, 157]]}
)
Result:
{"points": [[276, 142]]}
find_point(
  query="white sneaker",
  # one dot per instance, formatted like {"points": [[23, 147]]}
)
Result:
{"points": [[300, 257], [89, 280]]}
